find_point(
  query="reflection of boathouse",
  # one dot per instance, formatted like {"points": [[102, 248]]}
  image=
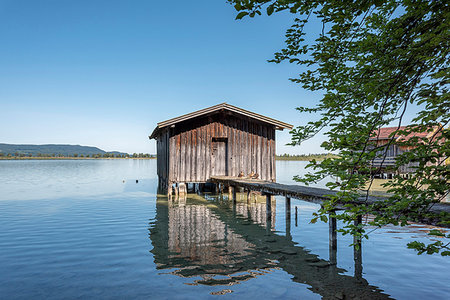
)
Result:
{"points": [[215, 244], [219, 140]]}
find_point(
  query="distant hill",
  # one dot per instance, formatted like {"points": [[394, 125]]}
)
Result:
{"points": [[65, 150]]}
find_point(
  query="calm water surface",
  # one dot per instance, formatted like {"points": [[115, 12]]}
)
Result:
{"points": [[85, 229]]}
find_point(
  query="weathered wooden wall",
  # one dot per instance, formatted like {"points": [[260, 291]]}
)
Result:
{"points": [[220, 144], [162, 151]]}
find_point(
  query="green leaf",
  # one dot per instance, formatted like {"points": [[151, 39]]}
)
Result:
{"points": [[241, 15]]}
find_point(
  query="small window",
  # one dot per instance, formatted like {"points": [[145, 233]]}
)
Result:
{"points": [[219, 139]]}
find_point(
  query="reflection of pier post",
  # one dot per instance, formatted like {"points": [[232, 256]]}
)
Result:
{"points": [[332, 238], [357, 250], [288, 217]]}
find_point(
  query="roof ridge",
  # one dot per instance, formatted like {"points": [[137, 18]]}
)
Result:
{"points": [[281, 125]]}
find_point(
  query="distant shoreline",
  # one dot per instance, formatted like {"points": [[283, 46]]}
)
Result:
{"points": [[285, 158], [306, 157], [70, 158]]}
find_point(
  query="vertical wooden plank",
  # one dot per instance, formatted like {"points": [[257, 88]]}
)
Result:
{"points": [[258, 149], [269, 131], [246, 154], [188, 158], [182, 157], [198, 139], [208, 151], [274, 173], [253, 145], [226, 157], [264, 161], [232, 149], [177, 157], [198, 159], [268, 157], [241, 147], [173, 167], [236, 147], [202, 156], [166, 158], [194, 153], [167, 149], [162, 154]]}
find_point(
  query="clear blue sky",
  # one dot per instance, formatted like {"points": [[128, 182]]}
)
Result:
{"points": [[103, 73]]}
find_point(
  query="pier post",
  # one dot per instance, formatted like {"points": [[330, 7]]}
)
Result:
{"points": [[332, 239], [217, 188], [248, 196], [296, 216], [357, 251], [288, 204], [234, 194], [182, 188], [288, 217], [268, 206]]}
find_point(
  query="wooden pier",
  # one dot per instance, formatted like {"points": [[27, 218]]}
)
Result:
{"points": [[310, 194]]}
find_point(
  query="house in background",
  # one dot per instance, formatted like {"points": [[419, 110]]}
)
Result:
{"points": [[383, 136], [222, 140]]}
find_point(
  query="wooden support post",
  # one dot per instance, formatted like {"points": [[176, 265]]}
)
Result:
{"points": [[268, 206], [169, 190], [288, 204], [357, 251], [248, 196], [332, 239], [217, 188], [296, 216], [288, 217], [234, 194]]}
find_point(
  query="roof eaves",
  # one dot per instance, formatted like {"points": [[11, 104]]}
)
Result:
{"points": [[278, 124]]}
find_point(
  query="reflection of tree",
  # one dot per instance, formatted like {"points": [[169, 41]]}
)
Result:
{"points": [[222, 246]]}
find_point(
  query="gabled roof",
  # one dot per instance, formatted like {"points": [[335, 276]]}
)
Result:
{"points": [[385, 133], [223, 106]]}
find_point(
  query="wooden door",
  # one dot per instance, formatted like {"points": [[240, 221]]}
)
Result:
{"points": [[219, 157]]}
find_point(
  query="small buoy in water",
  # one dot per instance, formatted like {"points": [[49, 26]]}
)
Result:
{"points": [[137, 181]]}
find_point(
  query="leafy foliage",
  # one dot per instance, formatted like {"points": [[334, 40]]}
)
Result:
{"points": [[373, 60]]}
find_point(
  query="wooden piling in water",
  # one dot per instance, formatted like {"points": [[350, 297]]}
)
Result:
{"points": [[332, 238], [268, 206]]}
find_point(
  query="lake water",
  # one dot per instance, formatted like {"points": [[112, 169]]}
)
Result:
{"points": [[85, 229]]}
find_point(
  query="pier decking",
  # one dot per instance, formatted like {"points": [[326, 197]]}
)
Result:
{"points": [[310, 194]]}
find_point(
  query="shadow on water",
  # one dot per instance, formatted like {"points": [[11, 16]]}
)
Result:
{"points": [[213, 242]]}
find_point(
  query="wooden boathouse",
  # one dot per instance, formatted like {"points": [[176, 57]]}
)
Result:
{"points": [[386, 157], [221, 140]]}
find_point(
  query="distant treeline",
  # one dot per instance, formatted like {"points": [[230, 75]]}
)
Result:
{"points": [[11, 151], [74, 155], [306, 157]]}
